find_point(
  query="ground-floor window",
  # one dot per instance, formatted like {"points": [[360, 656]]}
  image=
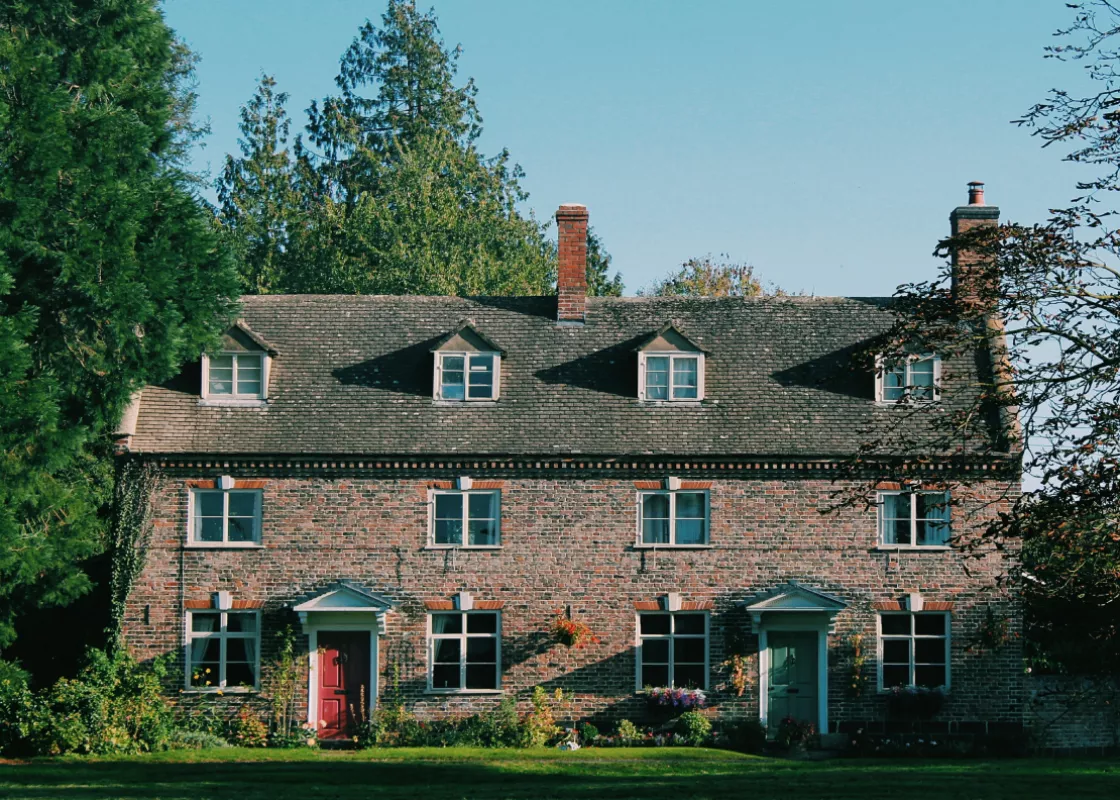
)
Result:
{"points": [[673, 649], [464, 652], [223, 649], [914, 649]]}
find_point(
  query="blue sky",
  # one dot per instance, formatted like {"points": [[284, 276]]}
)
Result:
{"points": [[823, 142]]}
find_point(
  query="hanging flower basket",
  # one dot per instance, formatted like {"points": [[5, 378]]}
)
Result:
{"points": [[672, 697], [571, 633]]}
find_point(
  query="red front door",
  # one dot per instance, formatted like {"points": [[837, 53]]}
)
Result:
{"points": [[343, 681]]}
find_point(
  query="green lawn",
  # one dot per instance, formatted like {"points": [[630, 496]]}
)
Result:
{"points": [[672, 774]]}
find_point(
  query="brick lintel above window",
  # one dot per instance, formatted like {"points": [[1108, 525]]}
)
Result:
{"points": [[929, 605], [199, 604], [686, 605], [479, 605]]}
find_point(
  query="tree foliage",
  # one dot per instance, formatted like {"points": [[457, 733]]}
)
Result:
{"points": [[390, 195], [111, 273], [1047, 308], [708, 277]]}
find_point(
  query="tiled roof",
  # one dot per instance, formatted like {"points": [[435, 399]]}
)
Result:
{"points": [[353, 376]]}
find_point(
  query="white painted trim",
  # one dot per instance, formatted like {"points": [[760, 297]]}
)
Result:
{"points": [[671, 354], [312, 629], [235, 399], [880, 518], [879, 645], [222, 652], [817, 623], [430, 648], [463, 545], [672, 494], [437, 376], [672, 648], [906, 400], [258, 526]]}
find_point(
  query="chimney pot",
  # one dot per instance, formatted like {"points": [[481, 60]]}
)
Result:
{"points": [[976, 193], [571, 274]]}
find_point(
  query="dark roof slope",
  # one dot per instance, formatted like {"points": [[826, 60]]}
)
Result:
{"points": [[354, 377]]}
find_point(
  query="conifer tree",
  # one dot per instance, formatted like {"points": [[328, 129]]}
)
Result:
{"points": [[111, 273]]}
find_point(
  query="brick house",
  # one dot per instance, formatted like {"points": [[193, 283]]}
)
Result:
{"points": [[420, 486]]}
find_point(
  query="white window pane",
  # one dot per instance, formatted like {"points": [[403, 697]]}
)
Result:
{"points": [[449, 506], [690, 505], [690, 531], [685, 378], [482, 506], [657, 378], [482, 532], [655, 506], [895, 515], [242, 529], [243, 504], [894, 384], [208, 529], [453, 386], [252, 388]]}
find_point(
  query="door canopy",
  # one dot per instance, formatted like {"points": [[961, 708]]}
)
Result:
{"points": [[794, 598], [343, 600]]}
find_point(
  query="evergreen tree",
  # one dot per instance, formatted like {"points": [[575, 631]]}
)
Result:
{"points": [[400, 198], [599, 282], [260, 202], [111, 274]]}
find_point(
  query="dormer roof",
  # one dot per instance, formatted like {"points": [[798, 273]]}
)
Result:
{"points": [[465, 337], [240, 336], [668, 338]]}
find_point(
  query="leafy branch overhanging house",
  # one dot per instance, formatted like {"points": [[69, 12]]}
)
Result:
{"points": [[420, 485]]}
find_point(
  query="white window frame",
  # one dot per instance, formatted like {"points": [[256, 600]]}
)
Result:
{"points": [[671, 636], [235, 398], [883, 365], [192, 518], [672, 494], [464, 542], [463, 636], [437, 379], [672, 355], [223, 636], [912, 637], [881, 519]]}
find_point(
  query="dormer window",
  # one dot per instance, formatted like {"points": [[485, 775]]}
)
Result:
{"points": [[238, 373], [912, 379], [467, 367], [670, 368]]}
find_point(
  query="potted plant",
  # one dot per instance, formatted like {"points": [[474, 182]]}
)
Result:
{"points": [[675, 698], [915, 702], [571, 633]]}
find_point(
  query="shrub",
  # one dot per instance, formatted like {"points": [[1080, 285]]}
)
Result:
{"points": [[539, 729], [17, 710], [113, 706], [248, 729], [500, 727], [303, 736], [694, 727], [195, 740], [746, 735], [627, 732], [795, 733], [588, 733]]}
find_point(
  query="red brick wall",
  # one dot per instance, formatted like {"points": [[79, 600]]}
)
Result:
{"points": [[570, 542]]}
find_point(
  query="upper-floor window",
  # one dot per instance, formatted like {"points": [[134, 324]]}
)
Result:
{"points": [[223, 649], [673, 518], [673, 649], [467, 376], [914, 649], [672, 376], [238, 373], [464, 651], [466, 518], [670, 368], [230, 516], [914, 518], [914, 379]]}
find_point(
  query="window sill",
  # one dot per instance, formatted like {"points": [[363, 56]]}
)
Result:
{"points": [[223, 546], [241, 690], [461, 692], [247, 403], [674, 547], [913, 548], [888, 692], [906, 403], [672, 403], [464, 403], [445, 547]]}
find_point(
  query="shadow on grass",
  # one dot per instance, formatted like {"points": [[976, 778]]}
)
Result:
{"points": [[541, 778]]}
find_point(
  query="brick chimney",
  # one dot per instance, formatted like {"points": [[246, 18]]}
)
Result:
{"points": [[571, 276], [970, 269]]}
